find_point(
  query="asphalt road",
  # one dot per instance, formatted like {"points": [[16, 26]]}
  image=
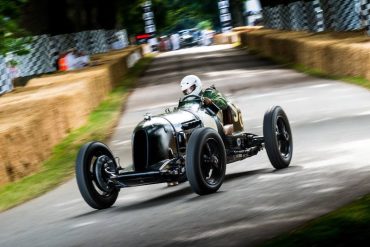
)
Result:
{"points": [[330, 167]]}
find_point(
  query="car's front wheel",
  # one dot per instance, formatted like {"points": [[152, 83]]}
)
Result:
{"points": [[205, 161], [93, 182]]}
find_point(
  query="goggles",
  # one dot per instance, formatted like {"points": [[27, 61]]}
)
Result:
{"points": [[189, 90]]}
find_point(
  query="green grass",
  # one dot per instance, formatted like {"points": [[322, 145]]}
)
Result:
{"points": [[318, 73], [60, 166], [348, 226], [357, 80]]}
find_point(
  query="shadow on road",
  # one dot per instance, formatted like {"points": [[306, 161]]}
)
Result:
{"points": [[288, 170], [174, 195], [234, 176], [91, 213], [159, 200]]}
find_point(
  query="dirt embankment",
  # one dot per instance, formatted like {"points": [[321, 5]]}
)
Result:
{"points": [[35, 118], [342, 54]]}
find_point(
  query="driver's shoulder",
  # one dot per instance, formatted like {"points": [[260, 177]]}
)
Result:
{"points": [[211, 88], [210, 92]]}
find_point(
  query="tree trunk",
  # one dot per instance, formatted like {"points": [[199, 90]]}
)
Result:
{"points": [[237, 12]]}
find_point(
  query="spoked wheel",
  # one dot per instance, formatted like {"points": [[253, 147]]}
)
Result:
{"points": [[93, 161], [278, 137], [205, 161]]}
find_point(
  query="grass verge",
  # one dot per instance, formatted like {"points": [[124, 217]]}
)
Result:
{"points": [[347, 226], [60, 166], [357, 80], [318, 73]]}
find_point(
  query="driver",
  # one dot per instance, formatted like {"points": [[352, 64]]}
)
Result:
{"points": [[192, 85]]}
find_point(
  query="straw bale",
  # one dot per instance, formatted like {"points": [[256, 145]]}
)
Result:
{"points": [[28, 138], [246, 28], [344, 54], [226, 38], [34, 119]]}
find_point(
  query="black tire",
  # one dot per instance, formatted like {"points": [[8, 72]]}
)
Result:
{"points": [[205, 161], [278, 137], [86, 175]]}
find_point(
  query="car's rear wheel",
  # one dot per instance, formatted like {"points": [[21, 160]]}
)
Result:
{"points": [[93, 182], [205, 161], [278, 137]]}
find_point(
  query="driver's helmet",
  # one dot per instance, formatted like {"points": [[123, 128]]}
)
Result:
{"points": [[191, 85]]}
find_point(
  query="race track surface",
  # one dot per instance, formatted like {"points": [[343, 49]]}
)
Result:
{"points": [[330, 167]]}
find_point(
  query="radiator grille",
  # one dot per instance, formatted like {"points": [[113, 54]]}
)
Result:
{"points": [[140, 150]]}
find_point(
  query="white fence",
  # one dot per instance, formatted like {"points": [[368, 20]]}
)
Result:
{"points": [[318, 15], [44, 51]]}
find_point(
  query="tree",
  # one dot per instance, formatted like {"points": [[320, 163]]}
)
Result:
{"points": [[237, 10], [10, 32], [204, 25], [170, 15], [183, 14]]}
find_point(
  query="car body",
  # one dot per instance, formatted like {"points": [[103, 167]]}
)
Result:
{"points": [[190, 37], [189, 142]]}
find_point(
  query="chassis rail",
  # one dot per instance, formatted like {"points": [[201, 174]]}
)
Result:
{"points": [[128, 179]]}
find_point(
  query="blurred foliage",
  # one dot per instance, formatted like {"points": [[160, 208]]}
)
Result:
{"points": [[10, 32], [237, 12], [184, 14], [204, 25], [170, 15], [66, 16]]}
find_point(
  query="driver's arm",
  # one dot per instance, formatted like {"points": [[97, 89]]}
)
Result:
{"points": [[215, 97]]}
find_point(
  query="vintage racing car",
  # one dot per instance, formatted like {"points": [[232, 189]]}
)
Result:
{"points": [[190, 142]]}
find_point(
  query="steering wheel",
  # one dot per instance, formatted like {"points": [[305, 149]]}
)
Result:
{"points": [[212, 108], [196, 97]]}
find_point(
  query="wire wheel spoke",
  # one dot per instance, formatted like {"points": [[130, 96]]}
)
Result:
{"points": [[208, 148], [283, 137], [211, 168], [93, 176]]}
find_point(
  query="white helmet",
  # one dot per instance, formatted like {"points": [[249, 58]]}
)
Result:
{"points": [[191, 85]]}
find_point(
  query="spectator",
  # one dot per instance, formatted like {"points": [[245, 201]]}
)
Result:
{"points": [[72, 59], [62, 64], [162, 44], [168, 44], [153, 43], [175, 40], [13, 72], [82, 59]]}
